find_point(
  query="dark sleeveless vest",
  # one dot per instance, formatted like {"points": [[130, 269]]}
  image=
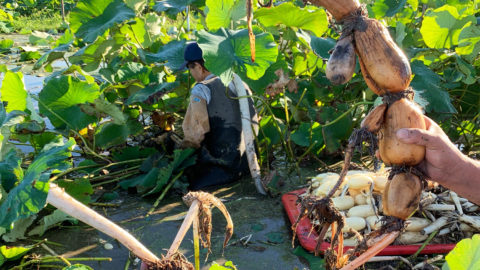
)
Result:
{"points": [[221, 145]]}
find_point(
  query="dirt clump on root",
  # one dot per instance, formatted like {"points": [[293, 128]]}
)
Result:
{"points": [[176, 262]]}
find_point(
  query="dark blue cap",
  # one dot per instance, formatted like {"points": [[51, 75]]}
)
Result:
{"points": [[192, 53]]}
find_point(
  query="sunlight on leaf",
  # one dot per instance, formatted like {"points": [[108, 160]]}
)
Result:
{"points": [[92, 18], [13, 91], [465, 255], [227, 51], [308, 18], [442, 26], [63, 95]]}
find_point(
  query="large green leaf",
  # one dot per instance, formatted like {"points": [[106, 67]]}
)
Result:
{"points": [[308, 18], [30, 195], [258, 86], [222, 12], [427, 84], [182, 158], [133, 71], [92, 18], [40, 38], [171, 53], [6, 45], [146, 92], [322, 46], [18, 229], [387, 8], [227, 51], [62, 96], [9, 253], [50, 221], [308, 134], [111, 134], [269, 133], [143, 181], [465, 255], [86, 10], [137, 32], [7, 122], [52, 55], [469, 41], [91, 56], [335, 133], [101, 107], [10, 170], [13, 91], [442, 26], [172, 7], [80, 189]]}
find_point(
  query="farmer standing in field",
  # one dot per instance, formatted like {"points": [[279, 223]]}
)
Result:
{"points": [[213, 126]]}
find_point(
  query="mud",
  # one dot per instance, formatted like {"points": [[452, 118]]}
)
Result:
{"points": [[261, 238]]}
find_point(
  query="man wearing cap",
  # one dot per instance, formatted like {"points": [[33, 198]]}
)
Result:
{"points": [[212, 124]]}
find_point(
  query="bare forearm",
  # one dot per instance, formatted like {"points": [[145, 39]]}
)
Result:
{"points": [[465, 180]]}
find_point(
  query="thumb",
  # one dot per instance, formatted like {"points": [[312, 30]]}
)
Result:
{"points": [[416, 136]]}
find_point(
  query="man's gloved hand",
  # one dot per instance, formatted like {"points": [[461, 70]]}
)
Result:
{"points": [[187, 144]]}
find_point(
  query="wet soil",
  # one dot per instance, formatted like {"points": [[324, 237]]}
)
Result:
{"points": [[261, 239]]}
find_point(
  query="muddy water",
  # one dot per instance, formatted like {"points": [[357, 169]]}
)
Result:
{"points": [[259, 219]]}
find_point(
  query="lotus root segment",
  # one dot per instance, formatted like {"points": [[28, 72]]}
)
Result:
{"points": [[401, 114], [338, 8], [341, 65], [384, 65], [374, 120], [402, 195]]}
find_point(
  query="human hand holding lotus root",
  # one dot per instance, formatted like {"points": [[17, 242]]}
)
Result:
{"points": [[387, 72]]}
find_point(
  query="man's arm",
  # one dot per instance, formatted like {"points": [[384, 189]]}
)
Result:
{"points": [[444, 163], [195, 124]]}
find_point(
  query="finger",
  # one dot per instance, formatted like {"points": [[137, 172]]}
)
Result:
{"points": [[418, 136], [428, 122]]}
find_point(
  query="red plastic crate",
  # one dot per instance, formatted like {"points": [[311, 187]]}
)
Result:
{"points": [[307, 237]]}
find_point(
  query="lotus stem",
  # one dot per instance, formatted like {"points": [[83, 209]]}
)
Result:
{"points": [[60, 199], [191, 214], [456, 201], [435, 226], [470, 220], [440, 207], [248, 135], [372, 251]]}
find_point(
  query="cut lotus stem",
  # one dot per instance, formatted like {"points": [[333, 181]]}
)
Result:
{"points": [[470, 220], [428, 262], [390, 258], [248, 134], [435, 226], [187, 222], [429, 215], [440, 207], [470, 207], [456, 201], [372, 251], [64, 202], [444, 231]]}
